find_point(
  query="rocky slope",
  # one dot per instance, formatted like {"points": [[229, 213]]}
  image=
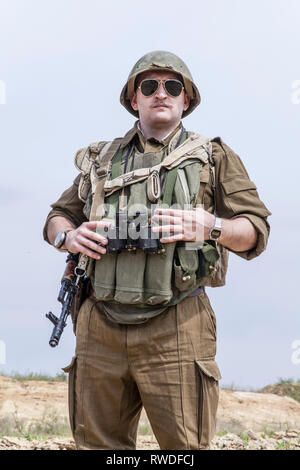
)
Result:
{"points": [[246, 420]]}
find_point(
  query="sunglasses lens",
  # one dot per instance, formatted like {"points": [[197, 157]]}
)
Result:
{"points": [[173, 87], [148, 87]]}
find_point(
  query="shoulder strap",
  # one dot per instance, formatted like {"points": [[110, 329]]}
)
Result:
{"points": [[169, 186], [99, 153], [195, 146], [84, 159], [213, 174], [99, 175]]}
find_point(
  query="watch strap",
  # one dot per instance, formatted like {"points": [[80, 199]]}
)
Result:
{"points": [[216, 231]]}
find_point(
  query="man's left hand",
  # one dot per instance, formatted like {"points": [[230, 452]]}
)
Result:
{"points": [[186, 225]]}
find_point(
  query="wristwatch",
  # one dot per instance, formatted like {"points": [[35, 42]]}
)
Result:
{"points": [[216, 231], [60, 239]]}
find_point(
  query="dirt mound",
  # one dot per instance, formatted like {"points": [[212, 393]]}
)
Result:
{"points": [[286, 388], [31, 409], [239, 410]]}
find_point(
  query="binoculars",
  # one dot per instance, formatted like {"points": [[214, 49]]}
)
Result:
{"points": [[132, 233]]}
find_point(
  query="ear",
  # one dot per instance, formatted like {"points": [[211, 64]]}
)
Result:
{"points": [[187, 101], [133, 102]]}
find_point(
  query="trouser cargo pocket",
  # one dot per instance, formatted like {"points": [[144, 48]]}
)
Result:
{"points": [[71, 370], [209, 375]]}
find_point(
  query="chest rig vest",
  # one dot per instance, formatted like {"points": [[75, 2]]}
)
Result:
{"points": [[141, 277]]}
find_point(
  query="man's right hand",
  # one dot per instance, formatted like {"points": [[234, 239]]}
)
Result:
{"points": [[85, 240]]}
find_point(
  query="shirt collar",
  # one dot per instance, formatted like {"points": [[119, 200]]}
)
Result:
{"points": [[153, 144]]}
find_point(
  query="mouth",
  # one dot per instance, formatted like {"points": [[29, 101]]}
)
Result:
{"points": [[161, 105]]}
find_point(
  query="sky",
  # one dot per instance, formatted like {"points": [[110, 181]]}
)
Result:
{"points": [[62, 67]]}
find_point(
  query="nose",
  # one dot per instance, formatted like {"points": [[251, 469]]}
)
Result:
{"points": [[161, 92]]}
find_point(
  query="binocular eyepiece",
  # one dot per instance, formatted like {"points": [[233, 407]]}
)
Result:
{"points": [[132, 233]]}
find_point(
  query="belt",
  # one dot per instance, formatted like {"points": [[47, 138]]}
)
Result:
{"points": [[196, 292]]}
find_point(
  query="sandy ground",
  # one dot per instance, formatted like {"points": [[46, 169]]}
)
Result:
{"points": [[245, 419]]}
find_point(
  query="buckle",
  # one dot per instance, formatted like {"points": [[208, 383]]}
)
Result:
{"points": [[103, 171]]}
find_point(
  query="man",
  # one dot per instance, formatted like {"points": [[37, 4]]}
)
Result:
{"points": [[146, 336]]}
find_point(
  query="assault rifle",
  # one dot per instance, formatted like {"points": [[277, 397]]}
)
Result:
{"points": [[70, 296]]}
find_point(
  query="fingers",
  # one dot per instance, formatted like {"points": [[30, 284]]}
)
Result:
{"points": [[167, 219], [174, 238], [174, 216], [179, 225], [92, 225], [86, 251], [167, 228], [86, 247], [169, 212], [89, 234], [85, 240], [89, 229]]}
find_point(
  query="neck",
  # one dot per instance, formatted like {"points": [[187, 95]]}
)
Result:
{"points": [[158, 133]]}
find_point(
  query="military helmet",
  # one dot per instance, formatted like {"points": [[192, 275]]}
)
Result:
{"points": [[166, 61]]}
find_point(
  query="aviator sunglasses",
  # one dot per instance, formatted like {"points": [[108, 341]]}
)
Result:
{"points": [[150, 85]]}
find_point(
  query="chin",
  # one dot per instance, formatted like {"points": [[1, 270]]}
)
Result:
{"points": [[162, 118]]}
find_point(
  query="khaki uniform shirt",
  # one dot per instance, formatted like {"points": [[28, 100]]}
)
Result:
{"points": [[235, 193]]}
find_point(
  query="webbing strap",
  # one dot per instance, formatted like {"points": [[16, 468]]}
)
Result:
{"points": [[97, 209], [116, 164], [176, 157], [183, 138], [213, 174], [169, 177], [115, 200], [169, 186]]}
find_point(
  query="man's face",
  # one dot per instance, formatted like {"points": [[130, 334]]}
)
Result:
{"points": [[159, 109]]}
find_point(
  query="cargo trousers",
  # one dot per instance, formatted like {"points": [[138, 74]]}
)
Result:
{"points": [[166, 365]]}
